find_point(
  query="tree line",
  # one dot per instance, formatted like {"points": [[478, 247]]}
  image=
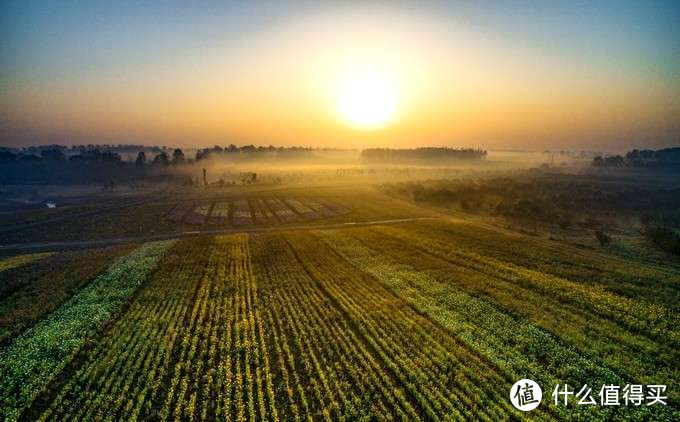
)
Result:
{"points": [[667, 157]]}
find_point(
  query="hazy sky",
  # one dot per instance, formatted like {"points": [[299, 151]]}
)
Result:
{"points": [[507, 74]]}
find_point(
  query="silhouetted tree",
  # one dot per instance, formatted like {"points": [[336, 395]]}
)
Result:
{"points": [[161, 159], [202, 154], [53, 154], [111, 156], [141, 159], [178, 156]]}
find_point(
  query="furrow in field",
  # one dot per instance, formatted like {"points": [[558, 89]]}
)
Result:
{"points": [[419, 362], [32, 291], [39, 354], [515, 345], [631, 352], [631, 312], [293, 301], [146, 332], [19, 260]]}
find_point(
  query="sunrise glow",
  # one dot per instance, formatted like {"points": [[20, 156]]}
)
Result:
{"points": [[367, 100]]}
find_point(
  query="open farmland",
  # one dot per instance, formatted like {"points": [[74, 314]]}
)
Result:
{"points": [[429, 320], [228, 209], [340, 211]]}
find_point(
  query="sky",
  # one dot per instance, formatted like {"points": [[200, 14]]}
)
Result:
{"points": [[532, 75]]}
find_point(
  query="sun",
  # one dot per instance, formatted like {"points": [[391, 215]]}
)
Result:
{"points": [[367, 100]]}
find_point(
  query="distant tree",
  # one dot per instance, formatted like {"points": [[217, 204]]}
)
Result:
{"points": [[53, 154], [248, 148], [202, 154], [614, 161], [178, 156], [110, 156], [161, 159], [93, 154], [141, 159]]}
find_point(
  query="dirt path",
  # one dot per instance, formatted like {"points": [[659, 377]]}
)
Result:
{"points": [[119, 240]]}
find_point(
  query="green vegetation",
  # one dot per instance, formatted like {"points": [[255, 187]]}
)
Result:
{"points": [[158, 217], [667, 239], [427, 319], [34, 290], [545, 198], [19, 260], [251, 328], [497, 330], [35, 357]]}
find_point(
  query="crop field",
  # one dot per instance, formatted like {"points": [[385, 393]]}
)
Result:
{"points": [[428, 320], [244, 212], [339, 211], [189, 210]]}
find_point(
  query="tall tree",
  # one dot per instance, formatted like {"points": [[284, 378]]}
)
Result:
{"points": [[161, 159], [141, 159], [177, 156]]}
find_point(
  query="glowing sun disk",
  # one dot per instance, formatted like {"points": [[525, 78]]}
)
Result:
{"points": [[366, 100]]}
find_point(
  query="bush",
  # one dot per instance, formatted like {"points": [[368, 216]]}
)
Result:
{"points": [[666, 238]]}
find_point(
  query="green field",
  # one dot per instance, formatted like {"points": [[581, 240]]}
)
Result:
{"points": [[428, 320]]}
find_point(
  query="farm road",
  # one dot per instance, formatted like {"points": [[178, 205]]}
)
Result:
{"points": [[36, 246]]}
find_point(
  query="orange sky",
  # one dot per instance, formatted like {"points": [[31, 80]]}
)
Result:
{"points": [[454, 83]]}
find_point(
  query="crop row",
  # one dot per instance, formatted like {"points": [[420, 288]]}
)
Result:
{"points": [[179, 211], [29, 292], [242, 214], [33, 359], [323, 370], [633, 314], [431, 374], [517, 347], [303, 210], [19, 260], [261, 214], [631, 353], [126, 369], [281, 210], [258, 211], [633, 278], [623, 333], [190, 347]]}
